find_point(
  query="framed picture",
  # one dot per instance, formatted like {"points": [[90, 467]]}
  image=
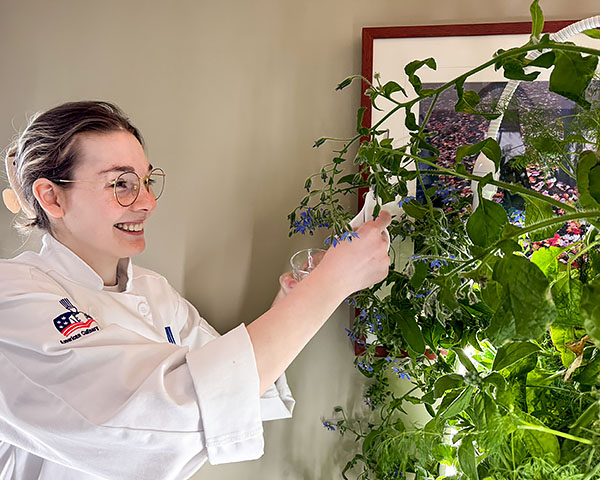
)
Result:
{"points": [[457, 49]]}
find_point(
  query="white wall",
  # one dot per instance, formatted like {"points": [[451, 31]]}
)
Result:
{"points": [[230, 96]]}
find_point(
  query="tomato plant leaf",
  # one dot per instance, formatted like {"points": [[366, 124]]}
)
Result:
{"points": [[536, 211], [590, 310], [571, 76], [484, 224], [588, 180], [512, 352], [524, 311], [447, 382], [415, 65], [537, 19], [466, 458]]}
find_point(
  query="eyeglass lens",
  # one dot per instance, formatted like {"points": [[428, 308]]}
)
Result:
{"points": [[127, 186]]}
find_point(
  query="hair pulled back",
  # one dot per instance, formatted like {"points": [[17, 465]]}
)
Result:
{"points": [[45, 150]]}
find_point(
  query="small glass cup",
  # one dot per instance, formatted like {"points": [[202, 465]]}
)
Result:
{"points": [[305, 261]]}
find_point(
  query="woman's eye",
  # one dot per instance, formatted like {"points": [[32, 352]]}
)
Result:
{"points": [[120, 184]]}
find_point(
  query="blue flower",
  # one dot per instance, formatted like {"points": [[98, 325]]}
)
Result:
{"points": [[405, 200], [364, 366], [328, 425], [402, 374]]}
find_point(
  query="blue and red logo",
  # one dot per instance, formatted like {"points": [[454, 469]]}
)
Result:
{"points": [[73, 321]]}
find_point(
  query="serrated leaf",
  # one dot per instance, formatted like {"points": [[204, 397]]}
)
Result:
{"points": [[392, 87], [411, 332], [537, 211], [489, 147], [415, 65], [547, 260], [571, 76], [485, 223], [512, 352], [588, 180], [590, 310], [524, 311], [566, 293], [447, 382]]}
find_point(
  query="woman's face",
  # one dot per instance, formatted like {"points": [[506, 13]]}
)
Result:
{"points": [[95, 226]]}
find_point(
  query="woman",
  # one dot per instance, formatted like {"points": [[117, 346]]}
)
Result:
{"points": [[105, 371]]}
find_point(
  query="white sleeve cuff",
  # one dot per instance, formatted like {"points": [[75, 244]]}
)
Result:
{"points": [[277, 402], [227, 384]]}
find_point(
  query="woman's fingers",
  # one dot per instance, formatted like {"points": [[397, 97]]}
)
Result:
{"points": [[287, 282]]}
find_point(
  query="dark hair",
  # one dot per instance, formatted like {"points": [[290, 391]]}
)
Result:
{"points": [[46, 149]]}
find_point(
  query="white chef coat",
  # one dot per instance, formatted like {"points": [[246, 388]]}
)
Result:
{"points": [[119, 385]]}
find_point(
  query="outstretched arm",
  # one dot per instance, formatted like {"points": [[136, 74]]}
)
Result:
{"points": [[281, 333]]}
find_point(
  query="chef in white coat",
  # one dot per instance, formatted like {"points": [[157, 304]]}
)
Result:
{"points": [[106, 372]]}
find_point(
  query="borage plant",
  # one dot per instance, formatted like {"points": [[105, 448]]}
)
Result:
{"points": [[494, 319]]}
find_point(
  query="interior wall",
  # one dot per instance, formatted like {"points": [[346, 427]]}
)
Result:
{"points": [[230, 97]]}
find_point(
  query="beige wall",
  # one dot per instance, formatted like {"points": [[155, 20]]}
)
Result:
{"points": [[230, 96]]}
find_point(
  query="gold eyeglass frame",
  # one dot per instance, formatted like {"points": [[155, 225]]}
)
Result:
{"points": [[146, 179]]}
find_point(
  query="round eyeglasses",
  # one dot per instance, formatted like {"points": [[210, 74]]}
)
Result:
{"points": [[126, 186]]}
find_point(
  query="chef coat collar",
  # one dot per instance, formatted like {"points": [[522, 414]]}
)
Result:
{"points": [[66, 263]]}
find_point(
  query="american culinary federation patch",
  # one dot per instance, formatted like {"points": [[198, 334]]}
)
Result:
{"points": [[74, 324]]}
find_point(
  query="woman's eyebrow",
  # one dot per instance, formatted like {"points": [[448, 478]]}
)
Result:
{"points": [[121, 168]]}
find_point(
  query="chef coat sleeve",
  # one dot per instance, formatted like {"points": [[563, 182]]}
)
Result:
{"points": [[276, 403], [114, 403]]}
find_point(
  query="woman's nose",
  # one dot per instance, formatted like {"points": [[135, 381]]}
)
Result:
{"points": [[145, 199]]}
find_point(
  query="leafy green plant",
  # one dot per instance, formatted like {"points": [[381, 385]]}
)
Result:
{"points": [[497, 333]]}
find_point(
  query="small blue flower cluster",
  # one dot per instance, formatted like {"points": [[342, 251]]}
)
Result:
{"points": [[435, 263], [310, 221], [354, 337], [405, 200], [447, 194], [373, 321], [365, 366], [328, 425], [401, 373], [345, 236], [517, 217]]}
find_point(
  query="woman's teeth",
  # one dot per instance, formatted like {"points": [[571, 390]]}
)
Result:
{"points": [[130, 227]]}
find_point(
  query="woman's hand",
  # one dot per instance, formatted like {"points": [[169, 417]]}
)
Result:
{"points": [[362, 262]]}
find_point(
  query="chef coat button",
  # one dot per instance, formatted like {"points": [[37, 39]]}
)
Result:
{"points": [[143, 308]]}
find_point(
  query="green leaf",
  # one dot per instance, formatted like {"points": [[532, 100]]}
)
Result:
{"points": [[421, 270], [560, 337], [513, 70], [410, 331], [460, 403], [571, 76], [484, 224], [590, 310], [392, 87], [546, 260], [537, 19], [512, 352], [546, 60], [465, 360], [566, 294], [539, 444], [524, 311], [489, 147], [413, 66], [466, 458], [592, 33], [588, 180], [447, 382], [414, 209], [537, 210], [589, 374], [411, 121], [359, 118]]}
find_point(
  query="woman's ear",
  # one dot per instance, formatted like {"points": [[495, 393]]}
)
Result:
{"points": [[49, 196]]}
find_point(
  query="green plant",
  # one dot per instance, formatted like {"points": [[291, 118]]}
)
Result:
{"points": [[496, 327]]}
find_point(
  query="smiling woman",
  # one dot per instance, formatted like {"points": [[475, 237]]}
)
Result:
{"points": [[105, 370]]}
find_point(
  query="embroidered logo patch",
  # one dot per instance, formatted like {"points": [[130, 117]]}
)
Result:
{"points": [[73, 324]]}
